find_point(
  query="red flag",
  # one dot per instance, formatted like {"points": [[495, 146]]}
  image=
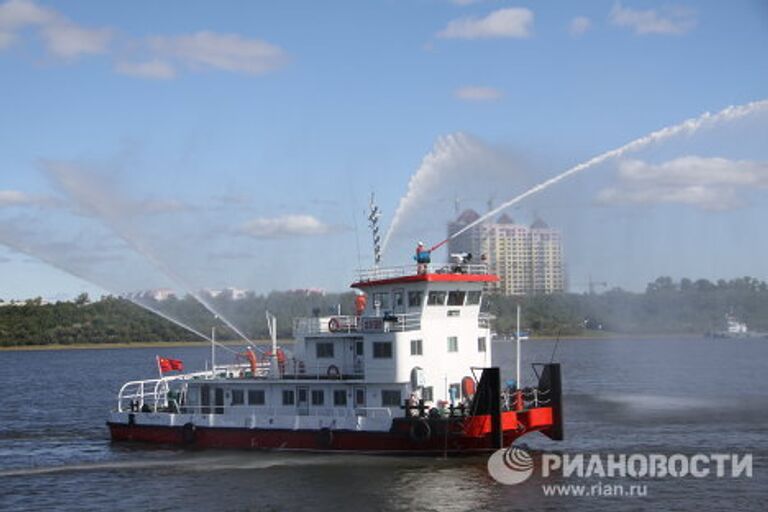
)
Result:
{"points": [[167, 365]]}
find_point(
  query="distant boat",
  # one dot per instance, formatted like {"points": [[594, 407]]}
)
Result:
{"points": [[734, 329]]}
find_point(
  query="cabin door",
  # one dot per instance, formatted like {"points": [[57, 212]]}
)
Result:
{"points": [[302, 400], [360, 401]]}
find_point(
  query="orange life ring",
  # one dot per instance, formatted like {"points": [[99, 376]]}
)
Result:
{"points": [[334, 325]]}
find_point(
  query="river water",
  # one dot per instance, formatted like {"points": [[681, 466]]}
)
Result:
{"points": [[657, 396]]}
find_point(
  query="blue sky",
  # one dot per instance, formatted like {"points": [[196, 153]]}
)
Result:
{"points": [[237, 142]]}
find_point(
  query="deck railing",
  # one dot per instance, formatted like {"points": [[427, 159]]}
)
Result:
{"points": [[376, 274], [341, 324]]}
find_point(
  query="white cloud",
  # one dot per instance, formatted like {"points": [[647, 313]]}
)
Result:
{"points": [[512, 22], [155, 69], [229, 52], [68, 41], [579, 26], [17, 14], [707, 183], [478, 93], [285, 226], [671, 20], [158, 57], [14, 198], [62, 38]]}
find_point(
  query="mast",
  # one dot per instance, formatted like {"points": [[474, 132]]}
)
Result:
{"points": [[272, 325], [373, 223], [517, 349]]}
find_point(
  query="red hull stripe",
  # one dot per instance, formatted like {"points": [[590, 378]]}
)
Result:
{"points": [[473, 435], [438, 278]]}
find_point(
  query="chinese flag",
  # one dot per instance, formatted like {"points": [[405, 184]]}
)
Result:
{"points": [[167, 365]]}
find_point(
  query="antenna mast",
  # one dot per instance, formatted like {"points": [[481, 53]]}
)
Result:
{"points": [[373, 223]]}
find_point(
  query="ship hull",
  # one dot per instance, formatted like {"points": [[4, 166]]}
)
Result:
{"points": [[407, 436]]}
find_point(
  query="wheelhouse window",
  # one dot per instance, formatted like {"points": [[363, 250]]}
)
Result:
{"points": [[237, 397], [473, 298], [340, 398], [417, 347], [288, 397], [397, 299], [415, 299], [256, 397], [428, 394], [382, 299], [481, 347], [453, 344], [436, 298], [318, 397], [456, 298], [390, 397], [382, 350], [324, 350]]}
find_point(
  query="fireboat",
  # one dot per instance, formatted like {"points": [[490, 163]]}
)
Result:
{"points": [[409, 373]]}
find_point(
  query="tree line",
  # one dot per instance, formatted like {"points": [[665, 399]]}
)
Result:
{"points": [[665, 307]]}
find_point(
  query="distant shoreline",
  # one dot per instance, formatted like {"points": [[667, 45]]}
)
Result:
{"points": [[122, 345], [174, 344]]}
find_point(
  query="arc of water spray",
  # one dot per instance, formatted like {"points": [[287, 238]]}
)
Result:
{"points": [[688, 126], [124, 232], [26, 250]]}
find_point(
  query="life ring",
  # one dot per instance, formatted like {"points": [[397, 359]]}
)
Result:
{"points": [[333, 371], [325, 437], [420, 431], [334, 325], [188, 433]]}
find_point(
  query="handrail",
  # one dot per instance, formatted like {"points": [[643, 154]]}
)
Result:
{"points": [[375, 274], [341, 324], [264, 411]]}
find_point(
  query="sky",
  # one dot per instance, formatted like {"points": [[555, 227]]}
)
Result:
{"points": [[202, 145]]}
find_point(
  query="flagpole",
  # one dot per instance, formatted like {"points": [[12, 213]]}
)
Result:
{"points": [[213, 352], [159, 369]]}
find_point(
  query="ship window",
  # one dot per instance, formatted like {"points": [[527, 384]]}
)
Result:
{"points": [[256, 397], [340, 398], [481, 344], [473, 298], [415, 299], [436, 299], [318, 397], [454, 392], [456, 298], [237, 397], [382, 299], [453, 344], [288, 397], [454, 312], [427, 394], [417, 347], [397, 299], [382, 350], [324, 350], [390, 397]]}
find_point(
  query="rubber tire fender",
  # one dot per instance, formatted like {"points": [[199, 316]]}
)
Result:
{"points": [[188, 433], [420, 431]]}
